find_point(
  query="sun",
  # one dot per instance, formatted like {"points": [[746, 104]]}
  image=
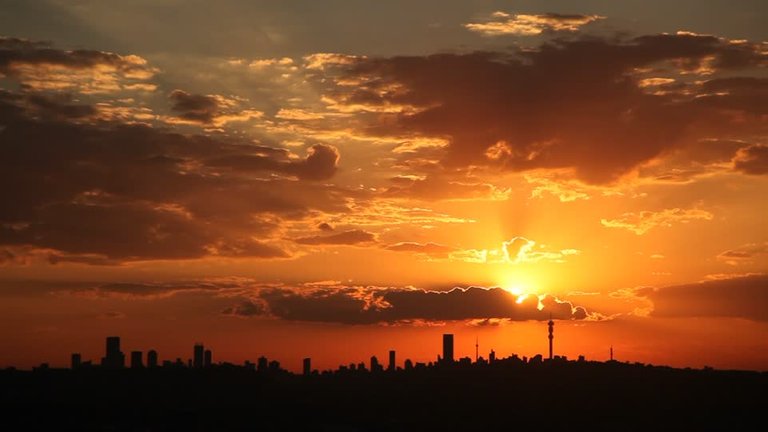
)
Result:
{"points": [[517, 290]]}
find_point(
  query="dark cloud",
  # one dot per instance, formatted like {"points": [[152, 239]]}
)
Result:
{"points": [[15, 52], [739, 297], [42, 106], [752, 160], [154, 290], [745, 253], [193, 107], [561, 104], [325, 226], [320, 163], [373, 305], [105, 193], [245, 309], [351, 237], [431, 249]]}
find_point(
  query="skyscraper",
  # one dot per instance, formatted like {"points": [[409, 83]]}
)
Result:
{"points": [[136, 360], [551, 325], [114, 358], [448, 348], [199, 351], [151, 358], [208, 357], [391, 366], [375, 366], [307, 366]]}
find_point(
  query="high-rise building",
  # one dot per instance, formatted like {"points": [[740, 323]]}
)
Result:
{"points": [[199, 351], [151, 358], [375, 366], [448, 348], [77, 360], [114, 358], [307, 366], [551, 326], [391, 366], [136, 360], [207, 358]]}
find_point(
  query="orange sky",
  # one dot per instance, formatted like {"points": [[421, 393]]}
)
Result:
{"points": [[336, 187]]}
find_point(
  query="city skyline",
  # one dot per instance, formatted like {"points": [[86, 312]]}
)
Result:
{"points": [[322, 179], [201, 358]]}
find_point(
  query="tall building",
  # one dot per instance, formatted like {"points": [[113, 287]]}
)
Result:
{"points": [[375, 366], [391, 366], [77, 360], [448, 348], [199, 351], [551, 325], [114, 358], [151, 358], [136, 360], [207, 358], [307, 366]]}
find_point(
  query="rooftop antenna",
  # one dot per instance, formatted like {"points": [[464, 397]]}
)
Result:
{"points": [[477, 348]]}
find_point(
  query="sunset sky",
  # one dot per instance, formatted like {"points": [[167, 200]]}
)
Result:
{"points": [[335, 179]]}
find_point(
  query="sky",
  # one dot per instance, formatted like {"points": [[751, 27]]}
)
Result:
{"points": [[335, 179]]}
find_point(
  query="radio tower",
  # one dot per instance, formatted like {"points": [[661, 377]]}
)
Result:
{"points": [[477, 348], [551, 325]]}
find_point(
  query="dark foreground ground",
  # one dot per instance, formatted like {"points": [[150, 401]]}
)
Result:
{"points": [[548, 396]]}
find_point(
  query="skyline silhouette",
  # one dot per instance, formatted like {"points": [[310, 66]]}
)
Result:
{"points": [[417, 396]]}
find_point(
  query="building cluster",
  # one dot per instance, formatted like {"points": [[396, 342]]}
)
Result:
{"points": [[114, 358], [202, 358]]}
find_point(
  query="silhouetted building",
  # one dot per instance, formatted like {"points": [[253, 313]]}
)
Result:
{"points": [[77, 360], [551, 325], [307, 366], [114, 358], [207, 358], [152, 358], [448, 348], [136, 360], [375, 366], [408, 364], [274, 365], [199, 352], [262, 364], [391, 366], [492, 356]]}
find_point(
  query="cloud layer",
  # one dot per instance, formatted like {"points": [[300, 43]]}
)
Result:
{"points": [[502, 23], [358, 305], [564, 103], [739, 297]]}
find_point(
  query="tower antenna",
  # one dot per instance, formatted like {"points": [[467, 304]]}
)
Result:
{"points": [[477, 348], [551, 325]]}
